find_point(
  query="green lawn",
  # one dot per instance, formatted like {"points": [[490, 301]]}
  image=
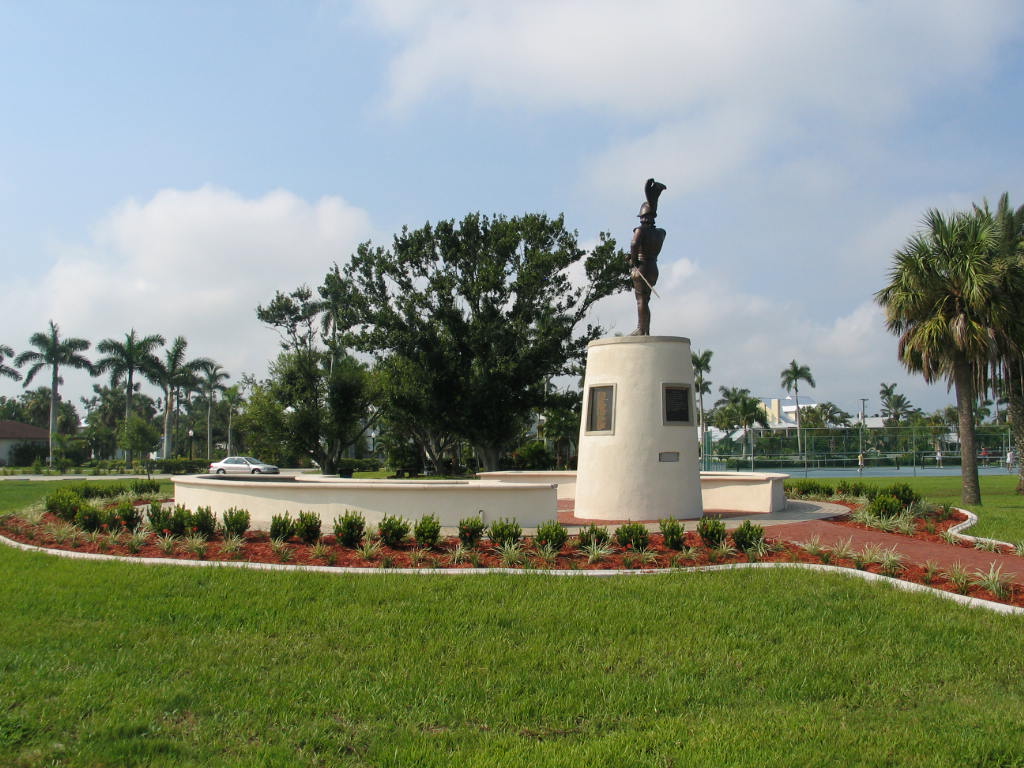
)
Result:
{"points": [[105, 664], [1001, 516], [121, 664]]}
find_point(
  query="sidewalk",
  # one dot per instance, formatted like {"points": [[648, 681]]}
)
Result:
{"points": [[915, 550]]}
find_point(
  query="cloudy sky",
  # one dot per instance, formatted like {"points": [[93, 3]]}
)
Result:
{"points": [[168, 166]]}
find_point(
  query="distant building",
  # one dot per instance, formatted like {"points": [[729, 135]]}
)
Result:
{"points": [[781, 411], [13, 433]]}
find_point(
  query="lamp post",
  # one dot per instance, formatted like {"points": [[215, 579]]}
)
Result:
{"points": [[863, 402]]}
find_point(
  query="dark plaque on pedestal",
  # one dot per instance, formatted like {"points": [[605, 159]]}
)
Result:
{"points": [[601, 408], [677, 405]]}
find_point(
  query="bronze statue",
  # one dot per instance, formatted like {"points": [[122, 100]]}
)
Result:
{"points": [[643, 256]]}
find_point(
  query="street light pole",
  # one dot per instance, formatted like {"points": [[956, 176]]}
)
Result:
{"points": [[863, 402]]}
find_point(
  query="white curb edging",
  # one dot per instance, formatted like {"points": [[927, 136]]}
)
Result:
{"points": [[908, 586], [972, 519]]}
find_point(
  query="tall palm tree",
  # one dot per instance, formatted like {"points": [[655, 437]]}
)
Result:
{"points": [[792, 375], [895, 408], [50, 350], [123, 359], [1008, 365], [942, 301], [232, 396], [211, 382], [6, 370], [701, 367], [172, 373]]}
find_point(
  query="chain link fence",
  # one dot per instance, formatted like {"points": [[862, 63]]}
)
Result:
{"points": [[926, 449]]}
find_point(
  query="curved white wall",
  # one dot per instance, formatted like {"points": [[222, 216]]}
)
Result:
{"points": [[449, 501], [622, 471]]}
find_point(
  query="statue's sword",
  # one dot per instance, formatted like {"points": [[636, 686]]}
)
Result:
{"points": [[635, 269]]}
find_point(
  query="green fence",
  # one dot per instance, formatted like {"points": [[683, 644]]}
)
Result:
{"points": [[840, 449]]}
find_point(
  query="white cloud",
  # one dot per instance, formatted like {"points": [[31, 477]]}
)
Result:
{"points": [[194, 263]]}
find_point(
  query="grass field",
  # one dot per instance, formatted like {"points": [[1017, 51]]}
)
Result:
{"points": [[1001, 516], [106, 664]]}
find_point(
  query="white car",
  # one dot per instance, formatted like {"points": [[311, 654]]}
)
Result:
{"points": [[243, 465]]}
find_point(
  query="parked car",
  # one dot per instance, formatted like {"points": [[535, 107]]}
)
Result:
{"points": [[243, 464]]}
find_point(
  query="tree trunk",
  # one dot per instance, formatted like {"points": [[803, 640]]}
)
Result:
{"points": [[168, 399], [209, 430], [53, 412], [796, 399], [963, 383], [491, 454], [127, 415]]}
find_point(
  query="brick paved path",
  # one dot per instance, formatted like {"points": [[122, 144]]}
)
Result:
{"points": [[915, 550]]}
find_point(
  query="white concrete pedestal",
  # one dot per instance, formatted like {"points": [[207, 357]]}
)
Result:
{"points": [[638, 436]]}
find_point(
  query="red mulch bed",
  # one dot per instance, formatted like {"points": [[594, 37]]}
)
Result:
{"points": [[257, 549]]}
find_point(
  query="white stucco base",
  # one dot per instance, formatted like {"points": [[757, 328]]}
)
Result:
{"points": [[637, 465], [756, 492], [449, 500]]}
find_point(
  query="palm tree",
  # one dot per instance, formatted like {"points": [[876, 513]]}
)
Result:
{"points": [[124, 359], [232, 396], [172, 373], [791, 378], [738, 408], [701, 367], [51, 350], [895, 408], [6, 370], [832, 415], [210, 384], [1008, 365], [942, 301]]}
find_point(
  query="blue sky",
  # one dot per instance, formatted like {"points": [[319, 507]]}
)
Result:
{"points": [[168, 166]]}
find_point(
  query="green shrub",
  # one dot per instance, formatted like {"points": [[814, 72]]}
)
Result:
{"points": [[504, 532], [633, 535], [236, 522], [674, 533], [805, 487], [392, 530], [711, 531], [427, 531], [89, 517], [470, 530], [885, 506], [126, 515], [180, 520], [593, 534], [350, 528], [142, 487], [901, 491], [64, 503], [551, 534], [203, 522], [307, 527], [748, 536], [159, 517], [282, 527]]}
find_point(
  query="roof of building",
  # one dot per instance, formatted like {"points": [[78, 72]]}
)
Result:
{"points": [[15, 430]]}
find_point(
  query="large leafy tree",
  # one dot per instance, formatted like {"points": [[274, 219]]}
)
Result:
{"points": [[123, 360], [326, 393], [943, 302], [105, 414], [791, 377], [701, 368], [482, 312], [6, 370], [53, 352], [174, 372]]}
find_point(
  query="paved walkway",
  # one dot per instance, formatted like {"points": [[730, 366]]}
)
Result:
{"points": [[915, 550]]}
